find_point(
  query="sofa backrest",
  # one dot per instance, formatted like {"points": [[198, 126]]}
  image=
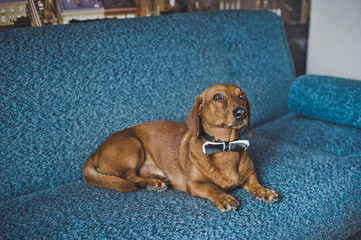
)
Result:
{"points": [[66, 88]]}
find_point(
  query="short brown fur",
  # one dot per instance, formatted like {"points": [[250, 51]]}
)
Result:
{"points": [[155, 155]]}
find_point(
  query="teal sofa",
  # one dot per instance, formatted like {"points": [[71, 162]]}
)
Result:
{"points": [[64, 89]]}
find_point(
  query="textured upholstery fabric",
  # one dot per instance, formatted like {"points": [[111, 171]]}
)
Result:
{"points": [[64, 89], [258, 61], [328, 98], [310, 133]]}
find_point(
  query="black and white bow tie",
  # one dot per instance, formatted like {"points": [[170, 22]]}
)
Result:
{"points": [[211, 147], [215, 147]]}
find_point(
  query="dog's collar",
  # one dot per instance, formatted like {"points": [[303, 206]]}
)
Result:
{"points": [[211, 146], [206, 136]]}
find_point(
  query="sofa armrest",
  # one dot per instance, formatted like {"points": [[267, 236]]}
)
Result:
{"points": [[327, 98]]}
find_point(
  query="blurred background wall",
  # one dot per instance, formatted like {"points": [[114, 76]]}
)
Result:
{"points": [[334, 44]]}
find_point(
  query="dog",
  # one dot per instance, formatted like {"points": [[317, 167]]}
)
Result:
{"points": [[159, 154]]}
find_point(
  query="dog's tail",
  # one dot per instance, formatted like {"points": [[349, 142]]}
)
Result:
{"points": [[95, 178]]}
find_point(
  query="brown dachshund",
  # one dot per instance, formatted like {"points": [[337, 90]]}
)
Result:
{"points": [[155, 155]]}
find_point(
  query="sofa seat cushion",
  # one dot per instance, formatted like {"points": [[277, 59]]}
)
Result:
{"points": [[319, 190], [315, 134]]}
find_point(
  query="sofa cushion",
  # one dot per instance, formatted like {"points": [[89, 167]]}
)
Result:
{"points": [[327, 98], [315, 134], [320, 200], [247, 40], [258, 37]]}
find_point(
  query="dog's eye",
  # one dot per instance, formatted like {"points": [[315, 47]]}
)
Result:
{"points": [[218, 97], [242, 96]]}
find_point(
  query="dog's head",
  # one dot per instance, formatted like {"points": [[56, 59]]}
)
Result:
{"points": [[220, 106]]}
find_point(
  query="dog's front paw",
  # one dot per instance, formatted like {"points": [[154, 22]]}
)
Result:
{"points": [[226, 203], [267, 195]]}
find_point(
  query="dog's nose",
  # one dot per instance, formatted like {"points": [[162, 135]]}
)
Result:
{"points": [[240, 113]]}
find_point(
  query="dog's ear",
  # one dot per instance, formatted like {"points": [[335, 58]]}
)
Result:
{"points": [[249, 132], [193, 119]]}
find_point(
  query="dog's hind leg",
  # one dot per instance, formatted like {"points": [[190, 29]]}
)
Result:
{"points": [[151, 182], [114, 163], [95, 178]]}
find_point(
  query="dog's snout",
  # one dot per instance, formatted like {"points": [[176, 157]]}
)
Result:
{"points": [[240, 113]]}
